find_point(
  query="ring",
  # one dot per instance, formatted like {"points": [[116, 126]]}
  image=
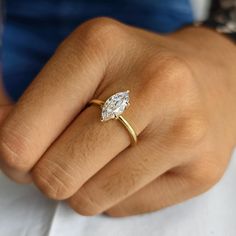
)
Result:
{"points": [[113, 107]]}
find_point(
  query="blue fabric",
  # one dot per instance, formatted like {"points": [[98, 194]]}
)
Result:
{"points": [[33, 29]]}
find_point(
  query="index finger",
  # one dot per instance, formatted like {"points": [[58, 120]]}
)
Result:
{"points": [[54, 98]]}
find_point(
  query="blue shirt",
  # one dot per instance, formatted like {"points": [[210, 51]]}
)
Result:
{"points": [[33, 29]]}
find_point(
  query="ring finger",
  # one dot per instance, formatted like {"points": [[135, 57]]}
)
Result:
{"points": [[84, 148]]}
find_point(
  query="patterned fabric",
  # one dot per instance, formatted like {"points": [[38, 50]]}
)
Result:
{"points": [[223, 17], [33, 29]]}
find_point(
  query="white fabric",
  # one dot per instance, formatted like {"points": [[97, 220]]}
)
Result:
{"points": [[25, 212]]}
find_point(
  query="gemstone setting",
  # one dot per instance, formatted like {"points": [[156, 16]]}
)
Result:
{"points": [[115, 105]]}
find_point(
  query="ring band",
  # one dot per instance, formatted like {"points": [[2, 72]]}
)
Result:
{"points": [[113, 107]]}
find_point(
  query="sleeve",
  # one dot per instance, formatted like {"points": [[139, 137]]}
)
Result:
{"points": [[222, 17]]}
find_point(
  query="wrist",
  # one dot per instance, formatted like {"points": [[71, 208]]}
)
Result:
{"points": [[203, 35]]}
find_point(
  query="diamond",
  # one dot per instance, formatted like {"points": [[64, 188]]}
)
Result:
{"points": [[115, 105]]}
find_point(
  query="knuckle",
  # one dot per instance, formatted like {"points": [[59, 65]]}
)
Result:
{"points": [[211, 177], [179, 93], [96, 40], [172, 72], [206, 175], [101, 27], [52, 182], [100, 33], [167, 75], [14, 150], [84, 203], [176, 70], [190, 130]]}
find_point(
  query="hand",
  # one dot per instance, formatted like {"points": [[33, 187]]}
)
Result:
{"points": [[183, 95]]}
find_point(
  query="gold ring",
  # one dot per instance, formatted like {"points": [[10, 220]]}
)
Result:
{"points": [[113, 107]]}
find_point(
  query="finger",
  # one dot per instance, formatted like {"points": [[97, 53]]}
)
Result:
{"points": [[4, 111], [85, 147], [54, 98], [177, 185], [167, 190], [127, 173]]}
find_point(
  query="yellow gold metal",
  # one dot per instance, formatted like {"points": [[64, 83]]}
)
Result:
{"points": [[123, 121], [129, 128], [96, 102]]}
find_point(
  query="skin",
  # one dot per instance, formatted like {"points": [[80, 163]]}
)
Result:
{"points": [[183, 95]]}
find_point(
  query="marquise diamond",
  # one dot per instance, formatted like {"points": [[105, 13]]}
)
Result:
{"points": [[115, 105]]}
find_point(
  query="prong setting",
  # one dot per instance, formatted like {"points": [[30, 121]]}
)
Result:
{"points": [[115, 105]]}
